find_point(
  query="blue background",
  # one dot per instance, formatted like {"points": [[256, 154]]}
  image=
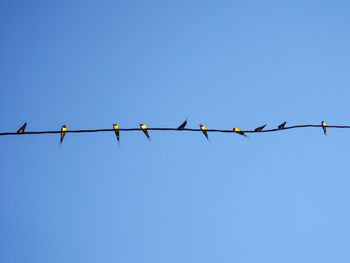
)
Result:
{"points": [[278, 197]]}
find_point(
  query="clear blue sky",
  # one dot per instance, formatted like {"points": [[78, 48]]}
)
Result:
{"points": [[279, 197]]}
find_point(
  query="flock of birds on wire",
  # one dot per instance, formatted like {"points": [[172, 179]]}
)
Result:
{"points": [[143, 127]]}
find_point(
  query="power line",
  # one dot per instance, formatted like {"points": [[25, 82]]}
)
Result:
{"points": [[176, 129]]}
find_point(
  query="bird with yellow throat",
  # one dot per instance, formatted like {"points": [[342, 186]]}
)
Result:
{"points": [[116, 130], [144, 129], [63, 133]]}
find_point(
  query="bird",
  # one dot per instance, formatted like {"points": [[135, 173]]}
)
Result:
{"points": [[324, 127], [144, 129], [21, 130], [183, 125], [116, 130], [239, 131], [63, 133], [281, 126], [204, 131], [260, 128]]}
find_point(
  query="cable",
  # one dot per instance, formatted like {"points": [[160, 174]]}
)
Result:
{"points": [[176, 129]]}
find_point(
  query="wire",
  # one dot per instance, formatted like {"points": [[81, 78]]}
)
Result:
{"points": [[176, 129]]}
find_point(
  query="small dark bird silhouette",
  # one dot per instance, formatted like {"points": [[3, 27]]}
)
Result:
{"points": [[260, 128], [183, 125], [63, 133], [281, 126], [116, 130], [204, 131], [144, 129], [324, 127], [21, 130]]}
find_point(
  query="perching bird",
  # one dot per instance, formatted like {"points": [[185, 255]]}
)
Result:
{"points": [[260, 128], [183, 125], [281, 126], [204, 131], [238, 130], [116, 130], [144, 129], [63, 132], [324, 127], [21, 130]]}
